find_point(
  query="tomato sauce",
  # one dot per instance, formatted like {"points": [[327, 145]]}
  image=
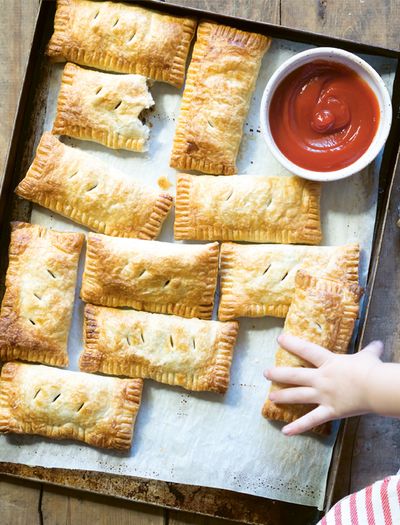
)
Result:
{"points": [[323, 116]]}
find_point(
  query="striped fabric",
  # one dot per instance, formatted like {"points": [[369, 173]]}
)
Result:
{"points": [[378, 504]]}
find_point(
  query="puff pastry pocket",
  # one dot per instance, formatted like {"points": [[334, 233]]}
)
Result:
{"points": [[155, 276], [259, 280], [221, 79], [60, 404], [248, 208], [40, 287], [103, 107], [122, 38], [86, 190], [190, 353], [324, 312]]}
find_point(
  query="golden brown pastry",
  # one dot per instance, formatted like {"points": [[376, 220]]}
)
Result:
{"points": [[60, 404], [324, 312], [221, 79], [88, 191], [159, 277], [103, 107], [190, 353], [40, 287], [259, 279], [122, 38], [247, 208]]}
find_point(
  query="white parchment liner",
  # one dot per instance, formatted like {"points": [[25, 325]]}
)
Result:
{"points": [[203, 438]]}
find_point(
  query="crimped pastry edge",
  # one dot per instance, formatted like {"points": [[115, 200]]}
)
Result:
{"points": [[108, 138], [59, 50], [179, 158], [202, 311], [9, 351], [122, 431], [26, 190], [91, 359], [183, 230], [229, 308]]}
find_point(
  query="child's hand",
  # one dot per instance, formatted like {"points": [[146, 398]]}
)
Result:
{"points": [[340, 384]]}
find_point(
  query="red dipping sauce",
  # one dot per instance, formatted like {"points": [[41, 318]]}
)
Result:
{"points": [[323, 116]]}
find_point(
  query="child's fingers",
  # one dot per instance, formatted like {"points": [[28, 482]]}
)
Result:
{"points": [[290, 375], [375, 348], [310, 352], [300, 394], [314, 418]]}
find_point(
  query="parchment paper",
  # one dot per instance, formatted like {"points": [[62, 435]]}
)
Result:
{"points": [[203, 438]]}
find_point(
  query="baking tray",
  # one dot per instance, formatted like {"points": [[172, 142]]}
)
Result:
{"points": [[213, 502]]}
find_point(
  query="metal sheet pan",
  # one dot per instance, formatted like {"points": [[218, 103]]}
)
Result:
{"points": [[29, 118]]}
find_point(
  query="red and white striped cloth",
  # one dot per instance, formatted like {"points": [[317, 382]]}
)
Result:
{"points": [[378, 504]]}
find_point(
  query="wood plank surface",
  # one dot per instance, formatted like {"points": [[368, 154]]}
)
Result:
{"points": [[368, 21], [17, 20], [67, 507], [19, 502], [261, 10], [377, 442]]}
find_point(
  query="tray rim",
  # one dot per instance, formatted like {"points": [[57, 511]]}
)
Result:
{"points": [[39, 473], [299, 35]]}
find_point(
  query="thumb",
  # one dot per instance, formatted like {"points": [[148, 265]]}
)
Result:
{"points": [[374, 348]]}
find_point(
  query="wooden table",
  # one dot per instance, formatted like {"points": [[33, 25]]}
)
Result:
{"points": [[374, 452]]}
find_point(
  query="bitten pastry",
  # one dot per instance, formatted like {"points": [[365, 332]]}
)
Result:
{"points": [[190, 353], [324, 312], [103, 107], [259, 280], [248, 208], [60, 404], [88, 191], [40, 287], [122, 38], [155, 276], [221, 79]]}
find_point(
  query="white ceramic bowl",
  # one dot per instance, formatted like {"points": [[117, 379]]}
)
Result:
{"points": [[366, 72]]}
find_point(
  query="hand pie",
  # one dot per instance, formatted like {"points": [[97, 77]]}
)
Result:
{"points": [[122, 38], [258, 280], [190, 353], [60, 404], [247, 208], [155, 276], [221, 79], [84, 189], [40, 287], [103, 107], [324, 312]]}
